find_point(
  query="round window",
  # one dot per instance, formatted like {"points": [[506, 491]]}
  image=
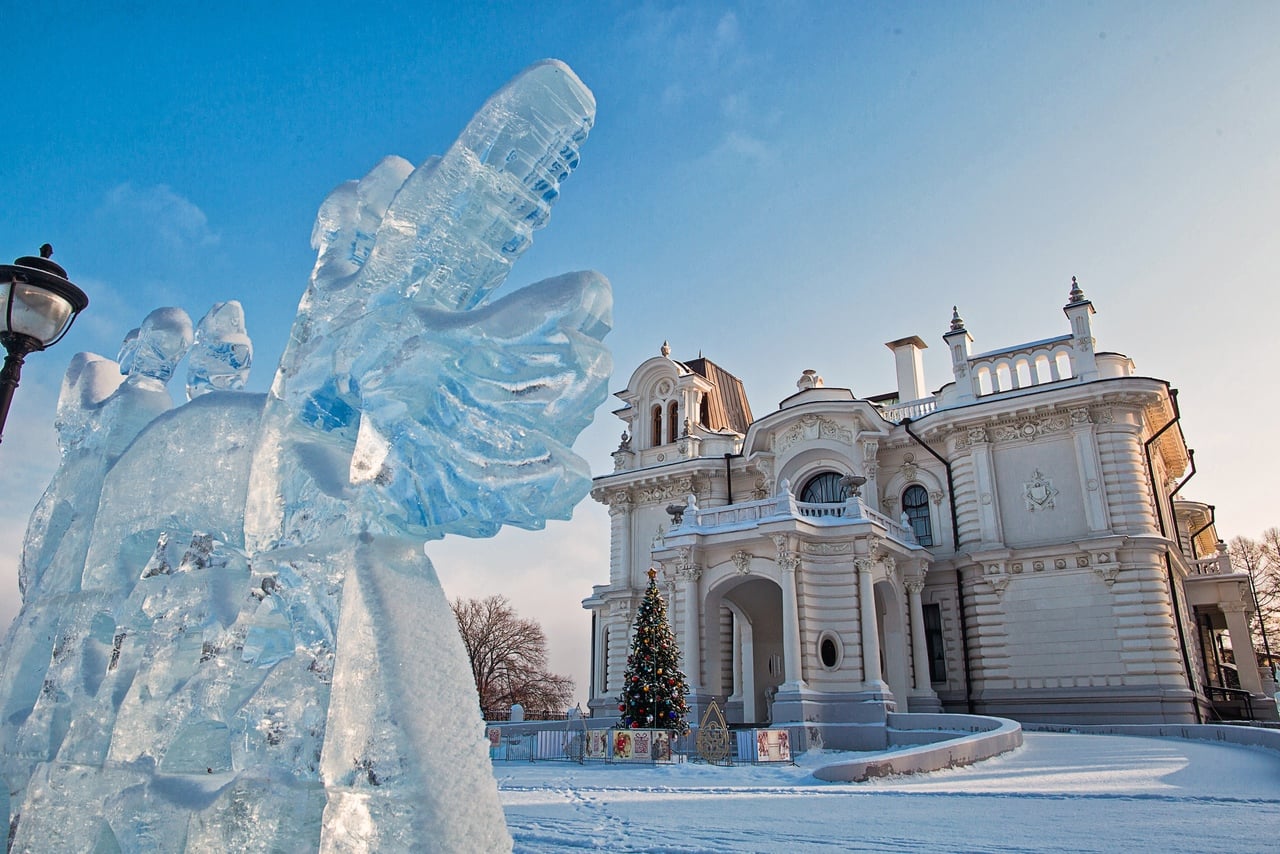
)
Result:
{"points": [[829, 651]]}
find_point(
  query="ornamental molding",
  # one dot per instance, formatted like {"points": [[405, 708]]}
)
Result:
{"points": [[913, 585], [787, 560], [863, 564], [1031, 428], [620, 501], [827, 548], [764, 478], [811, 427], [679, 488]]}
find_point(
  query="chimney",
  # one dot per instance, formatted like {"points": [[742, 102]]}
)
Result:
{"points": [[906, 355]]}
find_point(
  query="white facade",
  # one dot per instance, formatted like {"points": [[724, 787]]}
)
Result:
{"points": [[1011, 545]]}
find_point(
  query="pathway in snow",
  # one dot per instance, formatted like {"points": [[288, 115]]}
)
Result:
{"points": [[1058, 793]]}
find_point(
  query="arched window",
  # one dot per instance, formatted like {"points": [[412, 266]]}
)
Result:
{"points": [[657, 426], [824, 488], [915, 503], [704, 411], [673, 421]]}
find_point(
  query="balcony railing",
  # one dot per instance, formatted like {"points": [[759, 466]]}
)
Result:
{"points": [[912, 409], [752, 513]]}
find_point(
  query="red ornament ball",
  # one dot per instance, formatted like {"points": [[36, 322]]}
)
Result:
{"points": [[622, 707]]}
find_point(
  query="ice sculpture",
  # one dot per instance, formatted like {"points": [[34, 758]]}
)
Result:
{"points": [[231, 637]]}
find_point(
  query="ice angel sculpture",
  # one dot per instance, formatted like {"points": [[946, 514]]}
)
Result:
{"points": [[249, 649]]}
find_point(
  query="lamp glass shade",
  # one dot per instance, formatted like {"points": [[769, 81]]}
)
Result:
{"points": [[33, 311]]}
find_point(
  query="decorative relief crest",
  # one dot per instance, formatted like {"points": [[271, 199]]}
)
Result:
{"points": [[663, 387], [908, 468], [811, 427], [742, 561], [999, 583], [1039, 492]]}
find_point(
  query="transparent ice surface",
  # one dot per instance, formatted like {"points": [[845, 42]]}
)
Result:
{"points": [[231, 638], [222, 354]]}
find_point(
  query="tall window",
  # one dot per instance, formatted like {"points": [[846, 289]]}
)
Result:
{"points": [[657, 427], [933, 640], [824, 488], [673, 421], [915, 503], [704, 411]]}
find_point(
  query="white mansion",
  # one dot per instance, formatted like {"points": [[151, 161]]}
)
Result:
{"points": [[1011, 545]]}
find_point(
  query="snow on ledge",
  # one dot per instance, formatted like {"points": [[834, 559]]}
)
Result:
{"points": [[988, 737]]}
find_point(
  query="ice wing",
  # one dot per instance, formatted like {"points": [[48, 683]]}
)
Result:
{"points": [[469, 425]]}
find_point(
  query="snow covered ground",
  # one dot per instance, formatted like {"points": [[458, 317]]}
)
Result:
{"points": [[1059, 792]]}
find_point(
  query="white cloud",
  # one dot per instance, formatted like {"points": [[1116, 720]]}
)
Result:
{"points": [[176, 222], [743, 146]]}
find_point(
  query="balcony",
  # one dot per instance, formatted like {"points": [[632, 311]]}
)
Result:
{"points": [[753, 514]]}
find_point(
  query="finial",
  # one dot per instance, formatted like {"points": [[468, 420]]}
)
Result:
{"points": [[653, 573], [1077, 295], [46, 251], [957, 322], [809, 379], [666, 349]]}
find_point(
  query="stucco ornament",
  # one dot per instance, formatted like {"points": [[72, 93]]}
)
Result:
{"points": [[1039, 492]]}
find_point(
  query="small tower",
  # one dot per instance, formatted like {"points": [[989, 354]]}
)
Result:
{"points": [[1079, 312], [960, 342]]}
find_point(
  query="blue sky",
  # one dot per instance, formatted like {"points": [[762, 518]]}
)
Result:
{"points": [[779, 186]]}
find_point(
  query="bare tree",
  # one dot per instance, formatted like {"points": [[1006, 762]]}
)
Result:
{"points": [[1261, 559], [508, 656]]}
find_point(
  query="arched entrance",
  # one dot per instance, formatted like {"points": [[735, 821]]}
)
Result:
{"points": [[744, 645], [893, 641]]}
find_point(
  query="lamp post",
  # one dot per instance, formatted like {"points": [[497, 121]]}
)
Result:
{"points": [[37, 307]]}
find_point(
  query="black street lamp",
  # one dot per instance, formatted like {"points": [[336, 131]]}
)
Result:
{"points": [[37, 306]]}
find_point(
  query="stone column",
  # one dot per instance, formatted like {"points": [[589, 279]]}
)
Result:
{"points": [[688, 573], [1242, 647], [919, 646], [1089, 465], [872, 675], [620, 506], [985, 486], [789, 563]]}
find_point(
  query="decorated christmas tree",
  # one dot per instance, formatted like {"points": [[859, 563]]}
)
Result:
{"points": [[654, 687]]}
